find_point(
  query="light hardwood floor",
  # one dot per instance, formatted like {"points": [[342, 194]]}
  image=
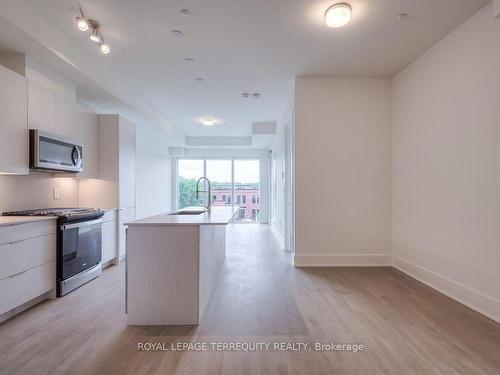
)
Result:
{"points": [[407, 328]]}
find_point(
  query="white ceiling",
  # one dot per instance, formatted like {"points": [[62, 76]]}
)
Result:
{"points": [[249, 46]]}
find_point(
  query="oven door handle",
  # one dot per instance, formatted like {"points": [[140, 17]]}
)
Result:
{"points": [[81, 224]]}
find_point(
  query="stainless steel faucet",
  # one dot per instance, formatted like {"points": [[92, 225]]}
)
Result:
{"points": [[209, 191]]}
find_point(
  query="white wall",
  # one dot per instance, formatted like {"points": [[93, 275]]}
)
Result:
{"points": [[153, 167], [342, 171], [278, 196], [446, 165], [36, 191]]}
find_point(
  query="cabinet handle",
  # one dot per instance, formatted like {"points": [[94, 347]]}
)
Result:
{"points": [[17, 241], [19, 273], [27, 239]]}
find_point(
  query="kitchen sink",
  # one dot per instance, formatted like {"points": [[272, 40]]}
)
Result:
{"points": [[190, 211]]}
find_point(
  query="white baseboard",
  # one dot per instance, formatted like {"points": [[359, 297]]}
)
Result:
{"points": [[469, 297], [278, 235], [342, 260]]}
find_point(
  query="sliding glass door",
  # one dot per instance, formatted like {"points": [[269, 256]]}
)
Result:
{"points": [[247, 190], [219, 172], [233, 182]]}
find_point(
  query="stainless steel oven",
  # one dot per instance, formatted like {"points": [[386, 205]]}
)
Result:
{"points": [[54, 153], [79, 254]]}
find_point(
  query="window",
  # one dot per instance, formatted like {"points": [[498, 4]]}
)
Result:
{"points": [[189, 171], [233, 181], [219, 172]]}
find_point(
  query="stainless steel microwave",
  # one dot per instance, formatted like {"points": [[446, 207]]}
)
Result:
{"points": [[49, 152]]}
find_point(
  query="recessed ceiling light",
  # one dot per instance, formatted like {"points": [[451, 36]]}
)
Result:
{"points": [[208, 121], [177, 33], [189, 60], [401, 17], [185, 12], [338, 15]]}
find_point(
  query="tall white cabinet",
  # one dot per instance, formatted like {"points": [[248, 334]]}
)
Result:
{"points": [[117, 167], [13, 122]]}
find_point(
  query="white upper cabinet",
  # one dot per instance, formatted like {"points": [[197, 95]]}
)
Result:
{"points": [[53, 109], [65, 116], [41, 107], [88, 133], [14, 150]]}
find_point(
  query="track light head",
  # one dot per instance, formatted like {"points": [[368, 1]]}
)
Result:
{"points": [[82, 23], [104, 48], [95, 37]]}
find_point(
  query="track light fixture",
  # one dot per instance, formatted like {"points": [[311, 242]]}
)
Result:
{"points": [[84, 23]]}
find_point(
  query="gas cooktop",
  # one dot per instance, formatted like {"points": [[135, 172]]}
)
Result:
{"points": [[63, 213], [53, 212]]}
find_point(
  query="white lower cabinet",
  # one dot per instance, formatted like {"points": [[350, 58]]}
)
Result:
{"points": [[27, 263], [21, 288], [23, 255], [109, 237]]}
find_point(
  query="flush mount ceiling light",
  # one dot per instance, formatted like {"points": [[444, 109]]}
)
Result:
{"points": [[177, 33], [84, 23], [338, 15], [185, 12], [256, 95], [208, 121], [189, 60]]}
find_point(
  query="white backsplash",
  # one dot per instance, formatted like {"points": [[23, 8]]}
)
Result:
{"points": [[36, 190]]}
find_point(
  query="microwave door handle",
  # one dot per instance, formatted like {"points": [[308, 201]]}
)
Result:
{"points": [[76, 159]]}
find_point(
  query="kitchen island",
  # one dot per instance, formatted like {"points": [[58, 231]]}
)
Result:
{"points": [[173, 264]]}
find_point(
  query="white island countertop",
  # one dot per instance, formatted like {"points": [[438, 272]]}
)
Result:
{"points": [[216, 215]]}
